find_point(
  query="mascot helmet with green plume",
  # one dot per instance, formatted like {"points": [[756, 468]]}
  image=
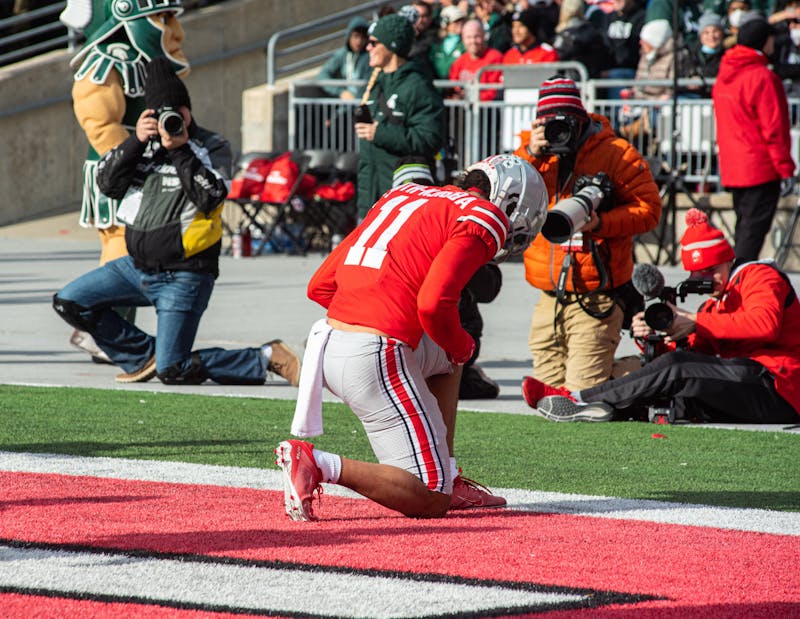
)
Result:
{"points": [[125, 35]]}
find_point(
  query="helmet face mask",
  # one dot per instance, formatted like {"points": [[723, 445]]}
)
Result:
{"points": [[519, 191]]}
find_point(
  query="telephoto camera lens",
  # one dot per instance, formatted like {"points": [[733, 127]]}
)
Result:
{"points": [[172, 121]]}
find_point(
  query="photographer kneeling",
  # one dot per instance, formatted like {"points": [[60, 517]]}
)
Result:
{"points": [[602, 194], [739, 357], [171, 177]]}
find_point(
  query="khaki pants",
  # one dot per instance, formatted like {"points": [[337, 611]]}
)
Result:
{"points": [[580, 353]]}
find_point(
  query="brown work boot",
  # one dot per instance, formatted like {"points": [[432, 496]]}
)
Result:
{"points": [[142, 375], [284, 362]]}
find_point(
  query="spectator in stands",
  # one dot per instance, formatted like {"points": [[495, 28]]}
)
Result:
{"points": [[786, 58], [527, 49], [445, 51], [406, 110], [579, 40], [107, 98], [477, 55], [735, 12], [597, 12], [545, 16], [349, 62], [585, 280], [622, 32], [391, 346], [705, 56], [785, 11], [740, 363], [689, 12], [172, 184], [657, 60], [419, 14], [491, 13], [752, 116]]}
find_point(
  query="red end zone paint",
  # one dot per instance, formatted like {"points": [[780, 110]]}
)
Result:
{"points": [[17, 605], [724, 573]]}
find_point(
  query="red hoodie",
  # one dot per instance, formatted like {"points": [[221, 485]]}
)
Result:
{"points": [[752, 116]]}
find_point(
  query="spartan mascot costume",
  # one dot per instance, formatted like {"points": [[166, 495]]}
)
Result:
{"points": [[122, 36]]}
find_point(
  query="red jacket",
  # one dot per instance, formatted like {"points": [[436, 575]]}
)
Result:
{"points": [[637, 210], [752, 116], [758, 317], [538, 53]]}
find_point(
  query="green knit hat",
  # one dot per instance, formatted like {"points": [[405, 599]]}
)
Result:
{"points": [[396, 33]]}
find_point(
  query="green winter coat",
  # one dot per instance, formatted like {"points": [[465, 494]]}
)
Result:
{"points": [[410, 122]]}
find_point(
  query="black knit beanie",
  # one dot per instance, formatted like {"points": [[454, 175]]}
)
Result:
{"points": [[163, 87], [754, 31]]}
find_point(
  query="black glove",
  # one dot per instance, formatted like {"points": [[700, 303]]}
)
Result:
{"points": [[787, 186]]}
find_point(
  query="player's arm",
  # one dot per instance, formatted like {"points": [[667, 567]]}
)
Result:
{"points": [[438, 296], [322, 285]]}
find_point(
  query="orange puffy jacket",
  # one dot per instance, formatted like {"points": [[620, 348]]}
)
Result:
{"points": [[637, 209]]}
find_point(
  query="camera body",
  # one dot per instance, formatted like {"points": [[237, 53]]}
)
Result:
{"points": [[570, 215], [658, 315], [561, 132], [170, 119]]}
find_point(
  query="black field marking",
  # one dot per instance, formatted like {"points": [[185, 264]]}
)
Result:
{"points": [[560, 598]]}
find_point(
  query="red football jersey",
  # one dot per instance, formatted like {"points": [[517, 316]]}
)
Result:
{"points": [[402, 270]]}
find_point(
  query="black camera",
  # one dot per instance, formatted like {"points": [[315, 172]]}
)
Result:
{"points": [[659, 316], [561, 132], [171, 119]]}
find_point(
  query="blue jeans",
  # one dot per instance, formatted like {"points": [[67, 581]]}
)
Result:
{"points": [[180, 298]]}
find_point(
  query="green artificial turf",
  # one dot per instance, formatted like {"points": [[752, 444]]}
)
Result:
{"points": [[692, 464]]}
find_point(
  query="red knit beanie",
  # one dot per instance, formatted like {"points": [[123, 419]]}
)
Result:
{"points": [[560, 95], [703, 246]]}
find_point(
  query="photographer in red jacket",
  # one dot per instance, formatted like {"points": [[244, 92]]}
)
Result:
{"points": [[741, 361]]}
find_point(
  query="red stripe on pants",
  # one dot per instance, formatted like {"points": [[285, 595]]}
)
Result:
{"points": [[413, 415]]}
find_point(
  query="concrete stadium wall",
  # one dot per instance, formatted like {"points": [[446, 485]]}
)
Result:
{"points": [[44, 148]]}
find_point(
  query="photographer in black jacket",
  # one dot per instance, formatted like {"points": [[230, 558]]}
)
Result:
{"points": [[171, 177]]}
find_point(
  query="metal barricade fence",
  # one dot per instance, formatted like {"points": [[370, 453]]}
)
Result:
{"points": [[480, 128]]}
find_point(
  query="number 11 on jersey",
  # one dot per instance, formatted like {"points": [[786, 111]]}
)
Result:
{"points": [[368, 251]]}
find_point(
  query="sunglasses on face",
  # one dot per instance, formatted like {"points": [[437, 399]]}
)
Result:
{"points": [[373, 42]]}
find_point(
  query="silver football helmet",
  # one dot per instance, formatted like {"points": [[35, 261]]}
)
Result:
{"points": [[518, 190]]}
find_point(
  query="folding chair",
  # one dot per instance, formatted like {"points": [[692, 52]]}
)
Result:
{"points": [[277, 226], [329, 216], [238, 213]]}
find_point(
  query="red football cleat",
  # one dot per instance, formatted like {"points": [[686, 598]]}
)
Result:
{"points": [[301, 478], [534, 390]]}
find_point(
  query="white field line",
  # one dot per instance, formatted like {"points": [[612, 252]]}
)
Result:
{"points": [[739, 519], [258, 589]]}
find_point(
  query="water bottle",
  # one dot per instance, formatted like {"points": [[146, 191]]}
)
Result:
{"points": [[236, 244], [246, 243]]}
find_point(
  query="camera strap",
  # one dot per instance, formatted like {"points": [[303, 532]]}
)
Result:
{"points": [[602, 286]]}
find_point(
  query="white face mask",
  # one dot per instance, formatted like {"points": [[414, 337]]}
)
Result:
{"points": [[735, 18], [794, 33]]}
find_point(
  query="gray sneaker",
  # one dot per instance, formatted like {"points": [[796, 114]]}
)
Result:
{"points": [[561, 408]]}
